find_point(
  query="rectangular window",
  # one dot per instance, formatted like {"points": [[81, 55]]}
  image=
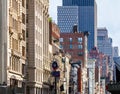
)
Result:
{"points": [[23, 32], [71, 46], [23, 18], [61, 40], [23, 51], [23, 3], [26, 18], [26, 32], [80, 53], [70, 39], [27, 4], [80, 40], [23, 69], [80, 46]]}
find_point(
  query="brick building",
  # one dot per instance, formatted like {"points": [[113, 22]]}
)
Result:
{"points": [[75, 43]]}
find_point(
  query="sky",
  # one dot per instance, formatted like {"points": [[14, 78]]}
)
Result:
{"points": [[108, 15]]}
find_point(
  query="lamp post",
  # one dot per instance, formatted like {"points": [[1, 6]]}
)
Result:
{"points": [[55, 73]]}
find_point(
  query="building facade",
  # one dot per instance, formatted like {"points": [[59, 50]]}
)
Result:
{"points": [[80, 12], [105, 46], [78, 2], [12, 42], [38, 68], [101, 68], [75, 44], [115, 51], [91, 76], [62, 60]]}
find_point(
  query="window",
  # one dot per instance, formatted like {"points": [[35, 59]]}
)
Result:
{"points": [[61, 46], [70, 39], [23, 18], [101, 38], [13, 82], [23, 69], [27, 4], [15, 63], [71, 46], [23, 3], [61, 39], [79, 39], [23, 32], [26, 18], [23, 51], [80, 53], [80, 46], [14, 44], [27, 33]]}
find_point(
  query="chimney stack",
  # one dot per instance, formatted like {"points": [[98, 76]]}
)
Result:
{"points": [[75, 29]]}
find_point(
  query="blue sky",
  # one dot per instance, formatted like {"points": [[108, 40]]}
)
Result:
{"points": [[108, 16]]}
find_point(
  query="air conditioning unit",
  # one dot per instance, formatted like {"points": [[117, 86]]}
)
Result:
{"points": [[20, 36]]}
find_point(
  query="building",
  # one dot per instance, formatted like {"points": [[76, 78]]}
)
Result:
{"points": [[12, 42], [82, 13], [91, 76], [101, 69], [113, 86], [38, 47], [115, 56], [62, 59], [105, 46], [75, 44], [73, 88], [115, 51]]}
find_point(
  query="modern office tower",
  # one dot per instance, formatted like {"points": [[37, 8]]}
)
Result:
{"points": [[12, 42], [105, 45], [82, 13], [115, 51], [37, 46], [67, 18], [78, 2]]}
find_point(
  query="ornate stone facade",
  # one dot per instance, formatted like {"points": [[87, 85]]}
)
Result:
{"points": [[13, 42]]}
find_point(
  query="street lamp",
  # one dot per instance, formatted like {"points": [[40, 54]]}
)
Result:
{"points": [[55, 73]]}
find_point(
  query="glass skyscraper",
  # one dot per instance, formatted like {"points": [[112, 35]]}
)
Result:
{"points": [[78, 2], [80, 12]]}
